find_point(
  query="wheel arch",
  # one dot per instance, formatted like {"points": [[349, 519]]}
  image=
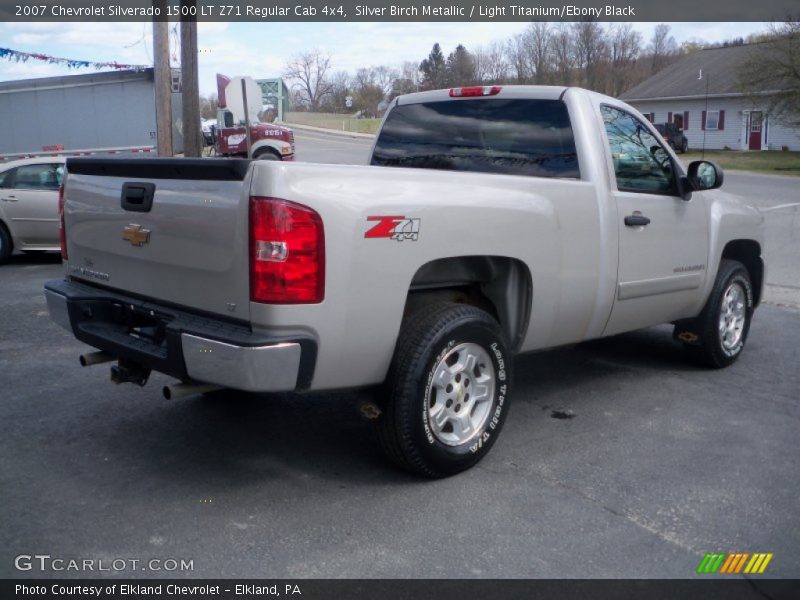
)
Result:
{"points": [[500, 285], [267, 146], [748, 252]]}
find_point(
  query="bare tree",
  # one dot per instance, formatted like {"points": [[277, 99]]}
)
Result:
{"points": [[625, 46], [536, 47], [563, 54], [308, 71], [516, 56], [208, 106], [771, 73], [591, 52], [662, 48], [341, 88], [491, 65]]}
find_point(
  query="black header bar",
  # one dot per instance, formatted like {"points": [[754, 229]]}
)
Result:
{"points": [[398, 10]]}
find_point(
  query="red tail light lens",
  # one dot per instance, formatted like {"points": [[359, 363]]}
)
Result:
{"points": [[287, 252], [475, 90], [62, 231]]}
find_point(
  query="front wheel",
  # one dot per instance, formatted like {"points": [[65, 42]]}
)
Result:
{"points": [[725, 321], [266, 154], [448, 390]]}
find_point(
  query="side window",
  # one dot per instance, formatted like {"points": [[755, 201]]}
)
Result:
{"points": [[7, 178], [37, 177], [640, 162]]}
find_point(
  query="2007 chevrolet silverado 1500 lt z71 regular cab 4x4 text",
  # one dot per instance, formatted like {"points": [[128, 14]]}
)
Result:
{"points": [[492, 221]]}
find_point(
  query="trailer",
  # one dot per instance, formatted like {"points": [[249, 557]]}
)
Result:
{"points": [[89, 114]]}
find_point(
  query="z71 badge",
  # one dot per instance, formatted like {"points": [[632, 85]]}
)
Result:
{"points": [[394, 228]]}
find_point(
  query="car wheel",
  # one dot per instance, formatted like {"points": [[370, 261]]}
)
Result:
{"points": [[723, 325], [6, 245], [684, 146], [448, 390], [266, 155]]}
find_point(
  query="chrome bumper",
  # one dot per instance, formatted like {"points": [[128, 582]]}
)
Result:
{"points": [[271, 368]]}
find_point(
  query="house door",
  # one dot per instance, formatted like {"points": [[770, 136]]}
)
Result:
{"points": [[756, 119]]}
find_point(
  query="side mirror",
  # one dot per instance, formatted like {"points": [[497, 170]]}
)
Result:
{"points": [[704, 175]]}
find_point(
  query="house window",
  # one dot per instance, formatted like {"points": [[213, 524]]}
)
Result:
{"points": [[712, 119]]}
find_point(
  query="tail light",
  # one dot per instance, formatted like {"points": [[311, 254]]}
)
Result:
{"points": [[287, 252], [475, 90], [62, 230]]}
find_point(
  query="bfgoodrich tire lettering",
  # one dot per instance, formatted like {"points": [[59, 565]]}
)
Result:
{"points": [[475, 345], [725, 321]]}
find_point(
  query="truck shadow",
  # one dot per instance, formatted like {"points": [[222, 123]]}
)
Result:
{"points": [[229, 439], [33, 258]]}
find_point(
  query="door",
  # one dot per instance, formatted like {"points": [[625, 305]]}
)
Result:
{"points": [[29, 196], [663, 239], [756, 121]]}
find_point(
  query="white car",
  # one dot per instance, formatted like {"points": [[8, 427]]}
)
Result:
{"points": [[29, 205]]}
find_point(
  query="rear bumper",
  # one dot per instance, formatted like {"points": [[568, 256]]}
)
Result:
{"points": [[185, 345]]}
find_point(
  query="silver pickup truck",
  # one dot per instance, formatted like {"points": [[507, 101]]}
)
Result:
{"points": [[491, 221]]}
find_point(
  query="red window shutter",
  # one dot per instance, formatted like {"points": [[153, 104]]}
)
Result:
{"points": [[703, 124], [652, 117], [669, 117], [685, 120], [721, 125]]}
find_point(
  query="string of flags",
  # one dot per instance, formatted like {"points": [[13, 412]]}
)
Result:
{"points": [[18, 56]]}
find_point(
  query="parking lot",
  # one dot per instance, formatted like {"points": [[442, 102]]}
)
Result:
{"points": [[618, 459]]}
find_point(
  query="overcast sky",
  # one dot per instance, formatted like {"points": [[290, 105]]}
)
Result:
{"points": [[262, 49]]}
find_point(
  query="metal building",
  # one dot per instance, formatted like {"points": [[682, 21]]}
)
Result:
{"points": [[88, 112]]}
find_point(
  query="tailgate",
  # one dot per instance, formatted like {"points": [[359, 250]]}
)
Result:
{"points": [[175, 230]]}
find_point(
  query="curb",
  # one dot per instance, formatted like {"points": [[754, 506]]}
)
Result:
{"points": [[350, 134]]}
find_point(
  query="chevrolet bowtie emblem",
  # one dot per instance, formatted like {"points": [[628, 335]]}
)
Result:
{"points": [[136, 235]]}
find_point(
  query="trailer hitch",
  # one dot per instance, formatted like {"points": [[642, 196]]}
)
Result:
{"points": [[129, 372]]}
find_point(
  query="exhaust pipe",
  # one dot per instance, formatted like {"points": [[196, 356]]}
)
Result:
{"points": [[179, 390], [95, 358]]}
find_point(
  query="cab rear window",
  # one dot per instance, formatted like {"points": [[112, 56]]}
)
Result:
{"points": [[514, 137]]}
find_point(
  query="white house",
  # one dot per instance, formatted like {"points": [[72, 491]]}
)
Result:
{"points": [[699, 93]]}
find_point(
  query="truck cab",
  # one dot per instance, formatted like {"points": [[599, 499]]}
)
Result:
{"points": [[269, 142]]}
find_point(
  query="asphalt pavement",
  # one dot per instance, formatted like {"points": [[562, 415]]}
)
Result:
{"points": [[618, 459]]}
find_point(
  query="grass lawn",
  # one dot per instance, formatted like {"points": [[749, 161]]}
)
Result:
{"points": [[773, 162], [333, 121]]}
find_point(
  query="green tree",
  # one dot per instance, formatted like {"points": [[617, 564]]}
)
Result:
{"points": [[433, 68], [460, 67]]}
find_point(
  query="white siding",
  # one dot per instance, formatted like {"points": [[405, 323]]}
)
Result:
{"points": [[734, 134]]}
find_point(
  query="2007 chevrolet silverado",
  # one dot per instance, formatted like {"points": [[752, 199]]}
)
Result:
{"points": [[492, 221]]}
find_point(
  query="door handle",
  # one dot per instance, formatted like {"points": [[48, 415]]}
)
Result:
{"points": [[637, 219], [10, 199]]}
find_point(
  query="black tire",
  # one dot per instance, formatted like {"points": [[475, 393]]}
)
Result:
{"points": [[710, 351], [427, 337], [684, 146], [6, 244], [266, 154]]}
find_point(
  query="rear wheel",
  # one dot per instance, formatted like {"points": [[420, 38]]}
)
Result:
{"points": [[448, 390], [725, 321], [6, 245], [684, 146]]}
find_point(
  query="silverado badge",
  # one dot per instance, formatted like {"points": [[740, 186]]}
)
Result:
{"points": [[136, 235]]}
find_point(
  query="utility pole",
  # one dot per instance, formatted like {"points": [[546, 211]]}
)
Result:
{"points": [[190, 89], [163, 82]]}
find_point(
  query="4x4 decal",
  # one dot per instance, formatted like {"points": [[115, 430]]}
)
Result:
{"points": [[394, 227]]}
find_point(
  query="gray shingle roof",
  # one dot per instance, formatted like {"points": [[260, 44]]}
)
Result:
{"points": [[681, 78]]}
